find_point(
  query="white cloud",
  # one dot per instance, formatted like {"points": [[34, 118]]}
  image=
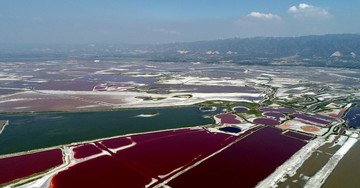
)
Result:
{"points": [[293, 9], [264, 16], [303, 6], [305, 10]]}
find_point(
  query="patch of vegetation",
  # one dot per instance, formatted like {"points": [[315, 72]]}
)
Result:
{"points": [[251, 106], [253, 112], [183, 96], [213, 103]]}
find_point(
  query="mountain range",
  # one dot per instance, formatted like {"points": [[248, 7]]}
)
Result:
{"points": [[333, 50]]}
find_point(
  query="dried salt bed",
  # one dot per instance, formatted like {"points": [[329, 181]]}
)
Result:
{"points": [[280, 82], [196, 98], [245, 126], [287, 91], [281, 92], [49, 100], [331, 105], [147, 115], [108, 71], [326, 97], [275, 105], [147, 75]]}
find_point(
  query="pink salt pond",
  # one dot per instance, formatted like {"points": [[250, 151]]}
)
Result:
{"points": [[155, 156], [244, 163], [103, 171], [266, 121], [228, 118], [12, 168]]}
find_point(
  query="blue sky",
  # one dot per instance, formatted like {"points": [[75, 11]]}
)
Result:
{"points": [[164, 21]]}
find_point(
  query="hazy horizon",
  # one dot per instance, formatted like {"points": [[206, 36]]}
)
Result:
{"points": [[157, 22]]}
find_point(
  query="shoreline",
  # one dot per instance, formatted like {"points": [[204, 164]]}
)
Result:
{"points": [[6, 122]]}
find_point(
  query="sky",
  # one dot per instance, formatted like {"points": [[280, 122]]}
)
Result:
{"points": [[168, 21]]}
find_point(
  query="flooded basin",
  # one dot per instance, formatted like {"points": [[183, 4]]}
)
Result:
{"points": [[28, 131], [104, 171], [85, 150], [118, 78], [228, 118], [116, 142], [167, 152], [346, 173], [312, 165], [266, 121], [19, 84], [274, 114], [172, 151], [230, 129], [8, 91], [240, 109], [68, 85], [310, 118]]}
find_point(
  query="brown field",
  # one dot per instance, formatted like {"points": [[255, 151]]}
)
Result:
{"points": [[310, 129], [286, 125]]}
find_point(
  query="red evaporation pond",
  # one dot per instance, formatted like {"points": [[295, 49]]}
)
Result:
{"points": [[266, 121], [298, 135], [228, 118], [68, 85], [104, 171], [310, 118], [162, 156], [244, 163], [85, 150], [274, 114], [116, 142], [158, 135], [12, 168]]}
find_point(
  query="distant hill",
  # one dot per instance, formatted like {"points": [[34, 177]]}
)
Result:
{"points": [[334, 50], [306, 46], [322, 50]]}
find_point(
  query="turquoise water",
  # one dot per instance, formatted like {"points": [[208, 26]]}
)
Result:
{"points": [[40, 130]]}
